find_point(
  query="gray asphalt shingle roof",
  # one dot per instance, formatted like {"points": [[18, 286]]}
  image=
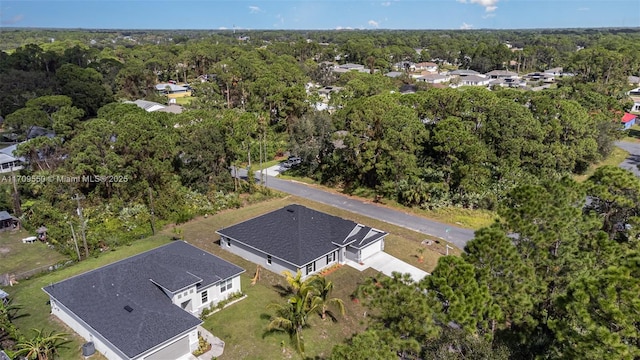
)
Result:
{"points": [[298, 234], [99, 297], [5, 216]]}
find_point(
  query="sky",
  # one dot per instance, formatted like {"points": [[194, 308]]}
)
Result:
{"points": [[319, 14]]}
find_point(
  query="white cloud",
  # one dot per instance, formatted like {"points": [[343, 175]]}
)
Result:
{"points": [[344, 28], [386, 3], [222, 28], [489, 5], [373, 23], [583, 9], [466, 26], [254, 9], [487, 16]]}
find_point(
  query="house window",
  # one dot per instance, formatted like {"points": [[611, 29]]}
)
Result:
{"points": [[191, 291], [226, 285], [269, 259], [331, 257], [179, 296], [205, 296], [228, 242], [311, 268]]}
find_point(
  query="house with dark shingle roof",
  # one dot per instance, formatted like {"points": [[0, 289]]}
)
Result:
{"points": [[145, 306], [298, 238]]}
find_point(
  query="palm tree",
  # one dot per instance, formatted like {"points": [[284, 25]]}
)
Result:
{"points": [[321, 288], [292, 317], [7, 314], [43, 346], [295, 282]]}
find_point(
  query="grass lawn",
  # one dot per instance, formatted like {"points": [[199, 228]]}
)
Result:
{"points": [[241, 325], [16, 257], [614, 159], [183, 100]]}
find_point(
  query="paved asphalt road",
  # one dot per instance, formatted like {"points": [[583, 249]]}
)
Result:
{"points": [[455, 235], [630, 163]]}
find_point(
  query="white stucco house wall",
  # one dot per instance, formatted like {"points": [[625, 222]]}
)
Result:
{"points": [[145, 306], [298, 238]]}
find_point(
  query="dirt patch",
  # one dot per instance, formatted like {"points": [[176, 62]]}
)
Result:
{"points": [[4, 250]]}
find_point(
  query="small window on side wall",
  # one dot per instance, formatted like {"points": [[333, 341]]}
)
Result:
{"points": [[228, 242], [268, 259], [205, 296]]}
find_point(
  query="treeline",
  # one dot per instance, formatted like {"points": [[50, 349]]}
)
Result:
{"points": [[131, 168], [468, 147], [563, 285]]}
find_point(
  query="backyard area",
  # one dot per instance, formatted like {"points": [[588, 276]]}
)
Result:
{"points": [[242, 325], [17, 257]]}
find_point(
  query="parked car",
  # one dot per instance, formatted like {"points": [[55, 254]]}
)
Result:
{"points": [[291, 161]]}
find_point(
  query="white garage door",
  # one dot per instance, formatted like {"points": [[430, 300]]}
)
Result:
{"points": [[374, 248], [173, 351]]}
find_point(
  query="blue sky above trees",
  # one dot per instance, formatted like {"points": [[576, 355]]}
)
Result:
{"points": [[320, 14]]}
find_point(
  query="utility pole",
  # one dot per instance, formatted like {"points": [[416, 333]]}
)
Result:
{"points": [[77, 198], [17, 208], [153, 226], [75, 240]]}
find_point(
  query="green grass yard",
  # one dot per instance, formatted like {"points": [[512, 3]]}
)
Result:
{"points": [[16, 257], [241, 325]]}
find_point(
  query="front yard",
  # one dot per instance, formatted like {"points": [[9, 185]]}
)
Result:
{"points": [[241, 326]]}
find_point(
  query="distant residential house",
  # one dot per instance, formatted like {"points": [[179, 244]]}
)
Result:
{"points": [[508, 82], [463, 73], [405, 66], [427, 66], [473, 80], [168, 88], [150, 106], [394, 74], [501, 74], [634, 80], [434, 78], [628, 120], [553, 74], [636, 106], [145, 306], [298, 238]]}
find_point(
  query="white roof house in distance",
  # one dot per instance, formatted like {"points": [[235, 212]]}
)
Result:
{"points": [[501, 74], [298, 238], [433, 78], [169, 88], [427, 66], [474, 80], [145, 306]]}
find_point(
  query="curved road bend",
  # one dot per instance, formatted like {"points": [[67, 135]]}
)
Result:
{"points": [[455, 235]]}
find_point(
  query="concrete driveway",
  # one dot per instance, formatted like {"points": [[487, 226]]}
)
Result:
{"points": [[387, 264]]}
